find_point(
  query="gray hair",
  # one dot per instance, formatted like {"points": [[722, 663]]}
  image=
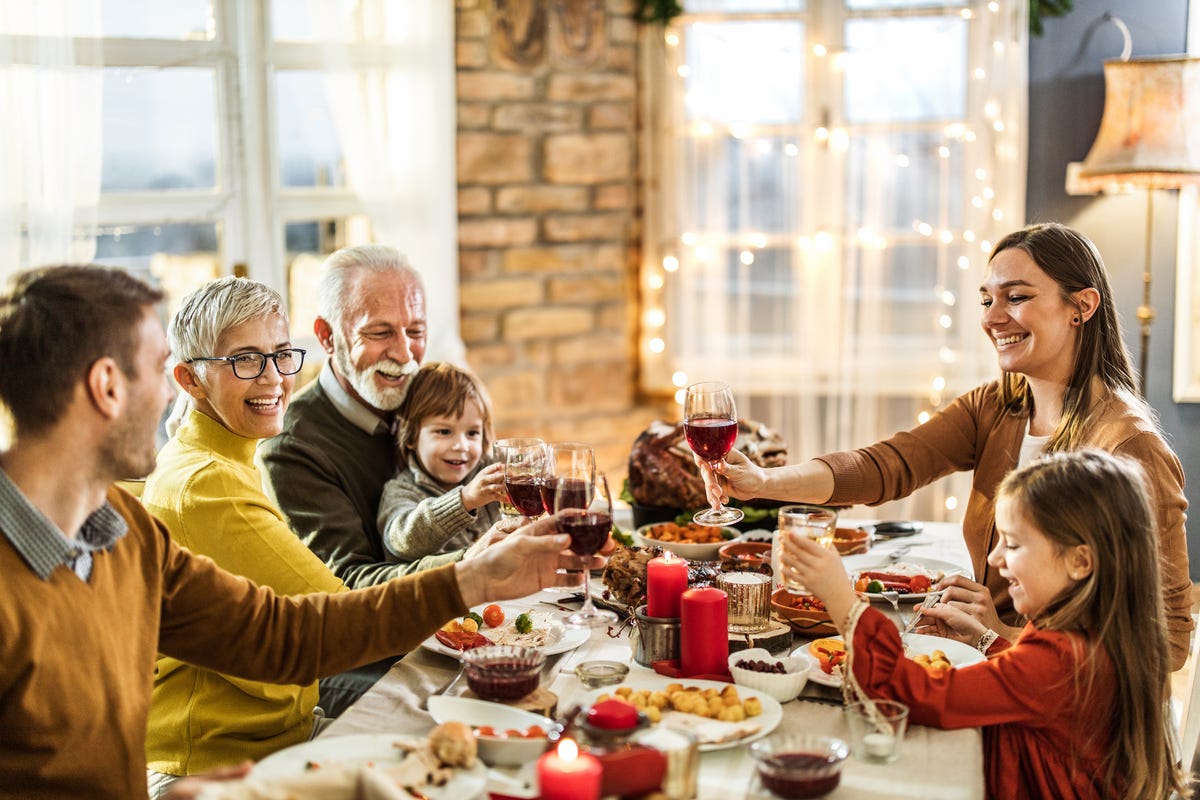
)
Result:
{"points": [[216, 307], [339, 271]]}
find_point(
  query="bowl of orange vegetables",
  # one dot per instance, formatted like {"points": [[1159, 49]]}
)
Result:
{"points": [[691, 541]]}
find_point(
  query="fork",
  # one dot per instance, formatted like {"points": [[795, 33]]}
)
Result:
{"points": [[893, 597], [899, 552], [445, 687]]}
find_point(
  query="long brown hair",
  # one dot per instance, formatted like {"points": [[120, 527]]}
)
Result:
{"points": [[1089, 497], [1074, 263], [439, 388]]}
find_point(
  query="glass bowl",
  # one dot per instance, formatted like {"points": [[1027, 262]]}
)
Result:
{"points": [[503, 672], [800, 764], [595, 674]]}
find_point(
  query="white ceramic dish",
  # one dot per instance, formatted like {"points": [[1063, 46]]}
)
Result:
{"points": [[496, 751], [870, 562], [378, 749], [960, 655], [559, 638], [784, 687], [692, 552], [767, 721]]}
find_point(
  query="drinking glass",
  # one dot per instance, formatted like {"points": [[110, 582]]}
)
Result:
{"points": [[573, 461], [808, 522], [710, 425], [524, 460], [589, 528]]}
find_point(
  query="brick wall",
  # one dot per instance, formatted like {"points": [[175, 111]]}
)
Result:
{"points": [[549, 220]]}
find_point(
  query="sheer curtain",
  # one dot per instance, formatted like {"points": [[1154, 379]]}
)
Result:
{"points": [[389, 79], [50, 144], [826, 180]]}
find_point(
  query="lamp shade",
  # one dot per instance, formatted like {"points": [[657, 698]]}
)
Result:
{"points": [[1149, 134]]}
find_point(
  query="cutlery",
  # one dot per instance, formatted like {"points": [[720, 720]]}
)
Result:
{"points": [[930, 599], [893, 597], [899, 553], [462, 667]]}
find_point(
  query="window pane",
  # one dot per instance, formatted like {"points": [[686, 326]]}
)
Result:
{"points": [[724, 85], [743, 6], [156, 19], [178, 256], [901, 70], [743, 185], [870, 5], [893, 180], [160, 129], [377, 21], [306, 139]]}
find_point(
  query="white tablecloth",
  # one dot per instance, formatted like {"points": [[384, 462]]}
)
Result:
{"points": [[934, 763]]}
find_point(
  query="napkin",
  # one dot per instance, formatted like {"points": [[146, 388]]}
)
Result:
{"points": [[670, 668], [327, 783]]}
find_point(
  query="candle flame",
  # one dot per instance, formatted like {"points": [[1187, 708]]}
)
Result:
{"points": [[567, 749], [668, 556]]}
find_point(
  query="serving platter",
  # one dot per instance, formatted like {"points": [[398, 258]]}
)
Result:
{"points": [[348, 754], [706, 551], [960, 655], [767, 721], [559, 638]]}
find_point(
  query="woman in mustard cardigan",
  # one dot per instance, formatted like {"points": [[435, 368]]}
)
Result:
{"points": [[237, 364]]}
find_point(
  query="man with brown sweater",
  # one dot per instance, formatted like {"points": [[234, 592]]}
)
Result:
{"points": [[93, 586]]}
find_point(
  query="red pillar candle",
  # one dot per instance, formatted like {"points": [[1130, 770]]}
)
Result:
{"points": [[666, 581], [704, 632], [565, 773]]}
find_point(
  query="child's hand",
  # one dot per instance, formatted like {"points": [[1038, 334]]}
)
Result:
{"points": [[949, 622], [822, 573], [486, 487]]}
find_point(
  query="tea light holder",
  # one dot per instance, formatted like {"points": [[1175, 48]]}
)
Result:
{"points": [[657, 638]]}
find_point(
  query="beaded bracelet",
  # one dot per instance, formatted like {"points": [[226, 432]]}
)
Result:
{"points": [[985, 640]]}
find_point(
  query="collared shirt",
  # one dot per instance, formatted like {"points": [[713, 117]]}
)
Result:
{"points": [[43, 546], [353, 410]]}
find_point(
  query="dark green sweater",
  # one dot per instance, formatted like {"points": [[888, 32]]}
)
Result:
{"points": [[327, 477]]}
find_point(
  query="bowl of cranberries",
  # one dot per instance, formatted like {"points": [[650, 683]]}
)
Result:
{"points": [[783, 678]]}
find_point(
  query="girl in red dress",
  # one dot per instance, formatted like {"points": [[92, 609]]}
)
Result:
{"points": [[1077, 706]]}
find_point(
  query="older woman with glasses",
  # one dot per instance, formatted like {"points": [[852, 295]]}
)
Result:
{"points": [[235, 361]]}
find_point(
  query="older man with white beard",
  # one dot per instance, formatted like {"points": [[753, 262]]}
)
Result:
{"points": [[327, 468]]}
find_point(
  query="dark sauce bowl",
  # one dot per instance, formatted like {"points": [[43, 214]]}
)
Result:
{"points": [[799, 765], [503, 672]]}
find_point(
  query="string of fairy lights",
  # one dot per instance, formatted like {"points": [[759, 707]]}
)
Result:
{"points": [[990, 129]]}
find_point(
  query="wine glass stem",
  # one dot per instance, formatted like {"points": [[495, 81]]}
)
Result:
{"points": [[586, 609]]}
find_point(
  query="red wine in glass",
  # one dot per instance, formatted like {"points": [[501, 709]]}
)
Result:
{"points": [[575, 489], [589, 526], [711, 438], [588, 530], [525, 494]]}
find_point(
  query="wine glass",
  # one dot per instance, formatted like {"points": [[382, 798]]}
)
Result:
{"points": [[710, 425], [524, 461], [589, 528], [573, 461]]}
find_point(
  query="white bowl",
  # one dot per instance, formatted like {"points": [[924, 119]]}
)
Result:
{"points": [[692, 552], [498, 751], [783, 687]]}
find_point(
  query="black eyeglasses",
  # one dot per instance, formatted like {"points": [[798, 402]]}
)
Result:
{"points": [[249, 366]]}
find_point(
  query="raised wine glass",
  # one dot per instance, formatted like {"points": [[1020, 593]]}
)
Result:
{"points": [[573, 461], [710, 424], [524, 461], [589, 528]]}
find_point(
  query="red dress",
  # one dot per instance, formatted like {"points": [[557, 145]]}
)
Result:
{"points": [[1039, 740]]}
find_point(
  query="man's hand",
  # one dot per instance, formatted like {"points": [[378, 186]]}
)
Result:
{"points": [[190, 788], [502, 528], [486, 487], [519, 564]]}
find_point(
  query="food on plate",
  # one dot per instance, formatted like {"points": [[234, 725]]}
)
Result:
{"points": [[523, 623], [802, 602], [524, 631], [830, 654], [936, 663], [461, 639], [712, 715], [624, 576], [759, 665], [902, 578], [469, 624], [454, 744], [493, 616], [532, 732], [691, 533], [662, 472]]}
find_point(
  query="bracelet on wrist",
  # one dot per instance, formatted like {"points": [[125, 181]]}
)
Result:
{"points": [[985, 640]]}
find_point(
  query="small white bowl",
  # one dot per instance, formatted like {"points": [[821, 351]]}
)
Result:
{"points": [[497, 751], [783, 687], [692, 552]]}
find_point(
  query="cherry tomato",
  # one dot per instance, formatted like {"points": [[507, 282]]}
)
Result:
{"points": [[513, 733], [485, 730], [918, 584], [493, 616], [535, 732]]}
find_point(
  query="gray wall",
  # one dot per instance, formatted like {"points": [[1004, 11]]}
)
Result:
{"points": [[1066, 100]]}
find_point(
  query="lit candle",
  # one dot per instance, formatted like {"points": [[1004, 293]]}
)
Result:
{"points": [[879, 745], [567, 774], [704, 632], [666, 581]]}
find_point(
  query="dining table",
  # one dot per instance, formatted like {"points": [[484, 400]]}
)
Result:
{"points": [[946, 764]]}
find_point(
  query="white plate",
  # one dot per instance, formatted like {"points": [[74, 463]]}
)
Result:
{"points": [[357, 750], [560, 639], [692, 552], [960, 655], [767, 721], [498, 751], [869, 562]]}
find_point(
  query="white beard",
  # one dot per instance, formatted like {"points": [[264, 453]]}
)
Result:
{"points": [[386, 399]]}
